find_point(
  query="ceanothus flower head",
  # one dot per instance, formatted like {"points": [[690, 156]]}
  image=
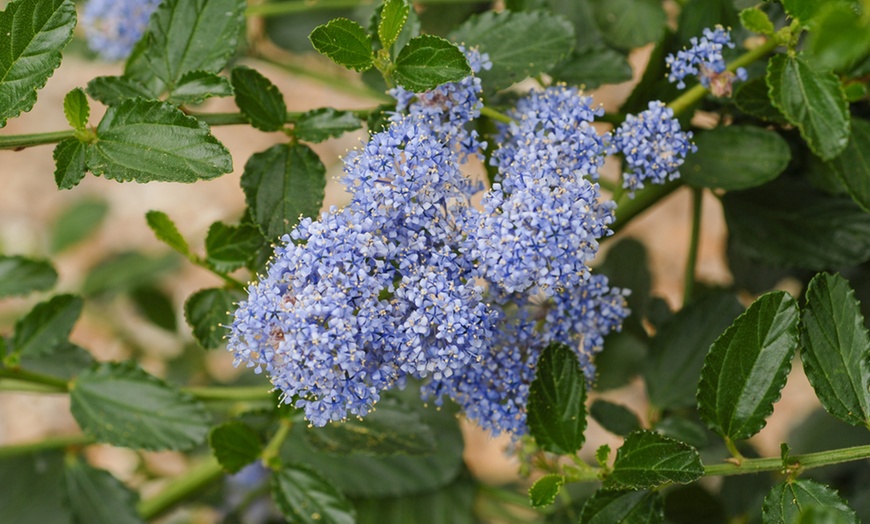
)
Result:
{"points": [[113, 27], [704, 60]]}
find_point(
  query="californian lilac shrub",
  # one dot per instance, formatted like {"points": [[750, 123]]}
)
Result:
{"points": [[113, 27], [704, 60]]}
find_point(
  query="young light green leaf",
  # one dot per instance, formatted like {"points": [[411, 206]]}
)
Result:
{"points": [[747, 367], [811, 100], [31, 488], [648, 459], [624, 507], [119, 404], [155, 305], [77, 222], [76, 109], [318, 125], [33, 35], [259, 99], [757, 21], [195, 86], [543, 492], [786, 501], [428, 61], [148, 140], [627, 24], [47, 325], [518, 44], [207, 312], [19, 275], [231, 247], [556, 409], [393, 18], [736, 157], [836, 350], [344, 41], [235, 445], [164, 229], [615, 418], [95, 496], [281, 184], [304, 496], [112, 90], [852, 166], [593, 67]]}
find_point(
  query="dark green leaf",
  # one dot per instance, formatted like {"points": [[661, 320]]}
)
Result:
{"points": [[593, 67], [757, 21], [47, 325], [96, 497], [811, 100], [804, 10], [692, 504], [834, 231], [393, 17], [624, 507], [836, 350], [112, 90], [31, 489], [697, 15], [345, 42], [786, 501], [155, 305], [125, 271], [195, 86], [33, 35], [147, 140], [19, 275], [77, 223], [747, 367], [626, 266], [69, 159], [207, 311], [753, 99], [259, 99], [452, 504], [320, 124], [230, 247], [65, 362], [76, 108], [519, 44], [427, 61], [649, 459], [823, 515], [281, 184], [235, 445], [620, 361], [736, 157], [165, 230], [678, 349], [119, 404], [305, 497], [615, 418], [627, 24], [556, 410], [543, 492], [684, 430], [852, 166]]}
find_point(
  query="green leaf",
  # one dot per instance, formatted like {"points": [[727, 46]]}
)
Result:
{"points": [[207, 311], [678, 349], [615, 418], [753, 99], [259, 99], [556, 410], [393, 18], [119, 404], [77, 222], [148, 140], [320, 124], [736, 157], [19, 275], [235, 445], [452, 504], [391, 429], [195, 86], [543, 492], [747, 367], [31, 489], [836, 350], [344, 41], [33, 35], [693, 503], [155, 305], [805, 10], [839, 40], [47, 325], [811, 100], [626, 266], [624, 507], [762, 222], [688, 431], [69, 158], [112, 90], [125, 271], [304, 496], [65, 362], [593, 67], [281, 184], [164, 229], [621, 361], [519, 44], [757, 21], [852, 166], [648, 459], [76, 109], [697, 15], [785, 502], [96, 497], [822, 515], [427, 61], [230, 247], [627, 24]]}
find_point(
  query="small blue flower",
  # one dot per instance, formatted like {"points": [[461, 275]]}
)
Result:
{"points": [[704, 60], [113, 27]]}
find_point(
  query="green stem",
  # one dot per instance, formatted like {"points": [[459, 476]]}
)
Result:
{"points": [[18, 142], [271, 455], [238, 394], [45, 445], [495, 115], [179, 489], [56, 384], [627, 208], [692, 260], [285, 8], [805, 461]]}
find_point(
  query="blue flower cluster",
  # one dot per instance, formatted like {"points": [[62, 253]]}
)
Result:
{"points": [[113, 27], [704, 60]]}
